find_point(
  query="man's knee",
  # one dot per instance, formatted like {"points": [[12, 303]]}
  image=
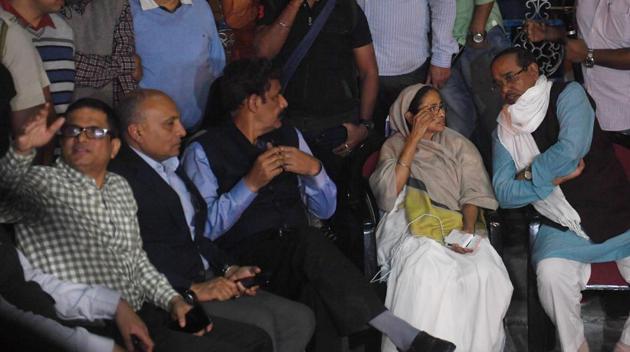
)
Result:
{"points": [[556, 272], [303, 318]]}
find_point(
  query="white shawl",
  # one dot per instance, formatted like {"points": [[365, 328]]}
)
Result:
{"points": [[516, 124]]}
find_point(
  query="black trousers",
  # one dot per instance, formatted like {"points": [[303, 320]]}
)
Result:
{"points": [[307, 266], [226, 335]]}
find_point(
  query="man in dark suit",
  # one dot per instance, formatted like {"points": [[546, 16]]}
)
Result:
{"points": [[172, 217]]}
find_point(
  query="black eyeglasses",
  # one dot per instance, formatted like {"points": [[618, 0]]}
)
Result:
{"points": [[508, 78], [434, 109], [92, 132]]}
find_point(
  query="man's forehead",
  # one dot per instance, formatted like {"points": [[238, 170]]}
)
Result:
{"points": [[505, 64]]}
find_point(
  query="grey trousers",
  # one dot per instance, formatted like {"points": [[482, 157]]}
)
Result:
{"points": [[290, 324]]}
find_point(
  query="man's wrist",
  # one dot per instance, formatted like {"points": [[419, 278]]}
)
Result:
{"points": [[590, 58], [19, 150], [367, 123], [228, 270]]}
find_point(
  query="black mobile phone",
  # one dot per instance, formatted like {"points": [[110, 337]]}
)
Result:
{"points": [[262, 280], [196, 320]]}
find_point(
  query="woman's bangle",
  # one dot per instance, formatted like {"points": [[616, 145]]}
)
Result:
{"points": [[399, 162]]}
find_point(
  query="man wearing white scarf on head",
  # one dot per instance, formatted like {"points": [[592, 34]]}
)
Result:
{"points": [[549, 151]]}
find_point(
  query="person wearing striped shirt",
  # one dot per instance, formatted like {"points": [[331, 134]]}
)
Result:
{"points": [[54, 40], [405, 53]]}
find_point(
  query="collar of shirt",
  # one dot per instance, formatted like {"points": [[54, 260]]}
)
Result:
{"points": [[151, 4], [46, 21], [171, 164]]}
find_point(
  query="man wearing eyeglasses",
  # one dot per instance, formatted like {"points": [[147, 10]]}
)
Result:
{"points": [[549, 151], [77, 221]]}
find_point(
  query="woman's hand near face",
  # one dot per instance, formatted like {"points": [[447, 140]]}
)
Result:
{"points": [[420, 124]]}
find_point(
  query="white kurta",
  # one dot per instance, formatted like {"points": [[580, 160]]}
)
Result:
{"points": [[460, 298]]}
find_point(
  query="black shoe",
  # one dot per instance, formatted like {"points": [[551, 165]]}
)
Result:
{"points": [[427, 343]]}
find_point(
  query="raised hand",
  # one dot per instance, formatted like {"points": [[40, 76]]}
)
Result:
{"points": [[267, 166], [36, 132], [420, 124], [536, 31]]}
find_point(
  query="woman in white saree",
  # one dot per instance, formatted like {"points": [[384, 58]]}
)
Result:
{"points": [[431, 180]]}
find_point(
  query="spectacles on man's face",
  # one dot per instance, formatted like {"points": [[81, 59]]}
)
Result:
{"points": [[92, 132], [508, 78], [435, 108]]}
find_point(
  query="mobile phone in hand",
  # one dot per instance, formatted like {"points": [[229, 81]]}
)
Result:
{"points": [[262, 280], [196, 320]]}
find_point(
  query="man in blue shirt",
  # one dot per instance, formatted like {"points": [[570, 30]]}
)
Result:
{"points": [[180, 50], [259, 178]]}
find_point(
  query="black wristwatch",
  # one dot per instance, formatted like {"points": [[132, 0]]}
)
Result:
{"points": [[190, 297]]}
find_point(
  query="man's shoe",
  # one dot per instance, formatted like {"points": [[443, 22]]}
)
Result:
{"points": [[427, 343]]}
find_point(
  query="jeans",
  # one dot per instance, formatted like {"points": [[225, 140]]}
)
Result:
{"points": [[468, 92]]}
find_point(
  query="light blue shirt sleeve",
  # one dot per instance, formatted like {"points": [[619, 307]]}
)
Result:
{"points": [[442, 21], [74, 301], [223, 210], [576, 118], [319, 192]]}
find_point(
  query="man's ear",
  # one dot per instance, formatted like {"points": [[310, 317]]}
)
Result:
{"points": [[115, 147], [134, 132], [533, 67], [252, 102]]}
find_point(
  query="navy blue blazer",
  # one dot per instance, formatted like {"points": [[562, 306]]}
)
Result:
{"points": [[165, 234]]}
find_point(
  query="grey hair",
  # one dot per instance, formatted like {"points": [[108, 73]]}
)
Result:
{"points": [[128, 109]]}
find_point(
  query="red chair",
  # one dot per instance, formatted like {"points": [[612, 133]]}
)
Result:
{"points": [[606, 276]]}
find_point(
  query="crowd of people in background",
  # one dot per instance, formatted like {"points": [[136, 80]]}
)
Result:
{"points": [[163, 188]]}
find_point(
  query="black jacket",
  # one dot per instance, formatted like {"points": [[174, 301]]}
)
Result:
{"points": [[165, 234]]}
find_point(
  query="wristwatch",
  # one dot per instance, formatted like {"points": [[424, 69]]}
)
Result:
{"points": [[527, 173], [478, 37], [367, 123], [190, 297], [590, 60]]}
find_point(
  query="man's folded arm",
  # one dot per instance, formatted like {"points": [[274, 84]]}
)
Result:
{"points": [[576, 118]]}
